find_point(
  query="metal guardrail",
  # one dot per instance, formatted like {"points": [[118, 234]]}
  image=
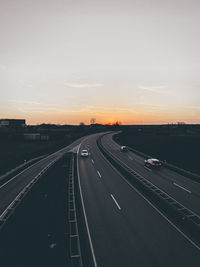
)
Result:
{"points": [[18, 199], [75, 251], [20, 167], [182, 216]]}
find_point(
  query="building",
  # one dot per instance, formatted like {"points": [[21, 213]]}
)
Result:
{"points": [[36, 137], [44, 137], [12, 123], [32, 136]]}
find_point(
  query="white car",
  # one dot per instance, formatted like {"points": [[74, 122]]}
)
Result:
{"points": [[152, 163], [123, 149], [84, 153]]}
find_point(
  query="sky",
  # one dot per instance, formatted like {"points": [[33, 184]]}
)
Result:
{"points": [[67, 61]]}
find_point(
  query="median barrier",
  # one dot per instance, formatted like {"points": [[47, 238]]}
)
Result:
{"points": [[74, 240]]}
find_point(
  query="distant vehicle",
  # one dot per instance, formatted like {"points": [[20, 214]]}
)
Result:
{"points": [[123, 149], [152, 163], [84, 153]]}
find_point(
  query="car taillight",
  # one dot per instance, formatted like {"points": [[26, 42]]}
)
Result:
{"points": [[153, 164]]}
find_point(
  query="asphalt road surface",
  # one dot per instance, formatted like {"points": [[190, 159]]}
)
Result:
{"points": [[124, 228], [10, 189], [183, 189]]}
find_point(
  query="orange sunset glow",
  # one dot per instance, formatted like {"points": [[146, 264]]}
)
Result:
{"points": [[108, 117]]}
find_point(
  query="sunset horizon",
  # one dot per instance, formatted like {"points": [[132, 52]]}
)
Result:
{"points": [[130, 61]]}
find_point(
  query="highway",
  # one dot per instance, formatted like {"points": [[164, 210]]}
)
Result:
{"points": [[181, 188], [10, 189], [125, 229]]}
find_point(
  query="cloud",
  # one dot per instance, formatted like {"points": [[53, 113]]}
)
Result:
{"points": [[24, 102], [149, 105], [84, 85], [44, 110], [193, 107], [156, 89]]}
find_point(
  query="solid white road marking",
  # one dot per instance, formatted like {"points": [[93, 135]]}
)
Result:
{"points": [[182, 188], [78, 148], [92, 161], [21, 172], [84, 212], [115, 202], [99, 174], [74, 149]]}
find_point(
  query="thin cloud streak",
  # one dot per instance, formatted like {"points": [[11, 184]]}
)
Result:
{"points": [[156, 89], [193, 107], [24, 102], [84, 85], [44, 110]]}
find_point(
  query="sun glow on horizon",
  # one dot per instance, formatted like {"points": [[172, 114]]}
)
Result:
{"points": [[109, 117]]}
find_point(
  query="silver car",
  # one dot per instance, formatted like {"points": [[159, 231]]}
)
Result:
{"points": [[84, 153], [152, 163], [123, 149]]}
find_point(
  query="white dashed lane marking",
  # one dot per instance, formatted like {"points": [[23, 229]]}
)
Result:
{"points": [[116, 203], [183, 188], [99, 174]]}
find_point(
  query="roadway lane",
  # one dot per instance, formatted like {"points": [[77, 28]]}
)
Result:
{"points": [[10, 189], [126, 230], [183, 189]]}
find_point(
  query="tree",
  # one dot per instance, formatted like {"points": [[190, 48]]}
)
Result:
{"points": [[92, 121], [117, 123]]}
